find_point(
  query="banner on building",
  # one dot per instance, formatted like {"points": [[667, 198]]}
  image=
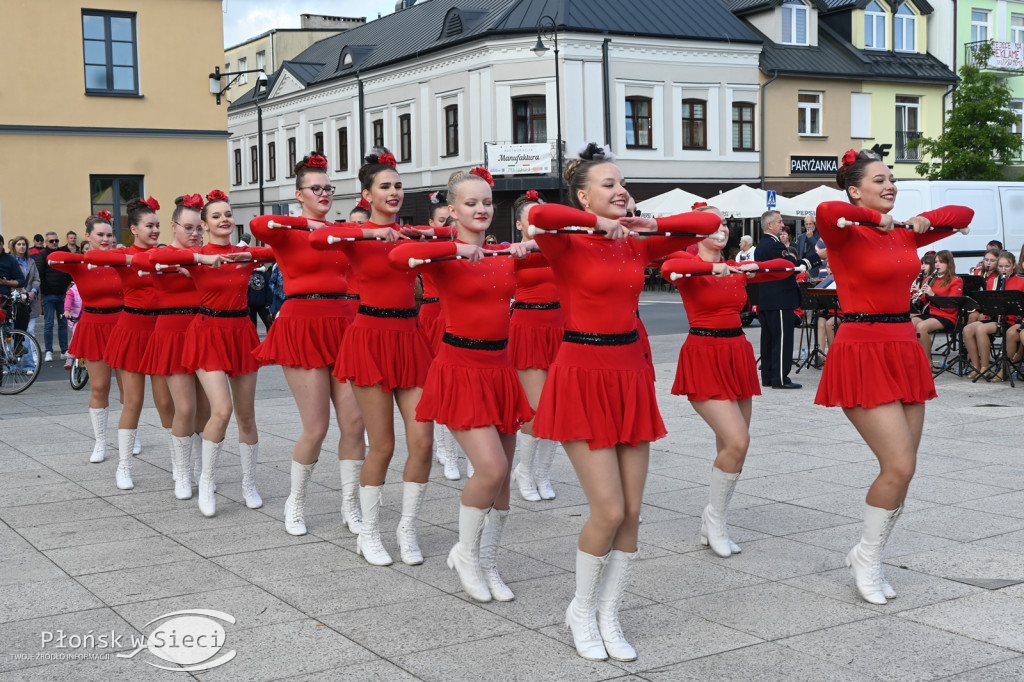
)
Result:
{"points": [[1006, 56], [518, 159]]}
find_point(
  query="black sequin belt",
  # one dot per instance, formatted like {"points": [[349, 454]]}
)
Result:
{"points": [[431, 300], [718, 333], [595, 339], [209, 312], [387, 312], [319, 296], [103, 311], [524, 305], [475, 344], [149, 312], [179, 311], [888, 318]]}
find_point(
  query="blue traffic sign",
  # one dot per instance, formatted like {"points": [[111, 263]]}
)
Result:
{"points": [[771, 199]]}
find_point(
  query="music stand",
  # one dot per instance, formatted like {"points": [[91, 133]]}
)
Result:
{"points": [[972, 283], [963, 305], [818, 300], [997, 305]]}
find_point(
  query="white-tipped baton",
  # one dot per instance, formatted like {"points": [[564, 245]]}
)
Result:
{"points": [[308, 227], [331, 239], [679, 275], [843, 222], [533, 231], [416, 262]]}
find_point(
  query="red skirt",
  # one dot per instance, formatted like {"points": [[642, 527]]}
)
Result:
{"points": [[601, 394], [716, 368], [166, 346], [469, 389], [128, 340], [307, 333], [389, 351], [534, 337], [92, 334], [872, 364], [432, 323], [645, 343], [221, 344]]}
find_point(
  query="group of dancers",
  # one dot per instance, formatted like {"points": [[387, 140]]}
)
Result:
{"points": [[569, 365]]}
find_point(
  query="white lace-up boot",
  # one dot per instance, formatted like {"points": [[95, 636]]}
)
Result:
{"points": [[207, 500], [181, 466], [581, 616], [98, 417], [295, 505], [490, 540], [248, 454], [542, 468], [713, 529], [613, 586], [351, 514], [865, 559], [523, 472], [408, 543], [369, 544], [123, 475], [464, 557]]}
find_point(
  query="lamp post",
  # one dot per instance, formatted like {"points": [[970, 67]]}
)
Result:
{"points": [[547, 27], [261, 84]]}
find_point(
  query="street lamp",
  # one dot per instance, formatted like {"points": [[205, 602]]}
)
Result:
{"points": [[261, 84], [547, 27]]}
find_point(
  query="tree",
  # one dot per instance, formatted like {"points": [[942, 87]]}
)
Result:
{"points": [[977, 140]]}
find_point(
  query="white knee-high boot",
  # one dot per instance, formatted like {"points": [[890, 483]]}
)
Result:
{"points": [[713, 529], [523, 472], [369, 544], [123, 475], [464, 557], [137, 443], [295, 505], [98, 417], [408, 543], [197, 459], [248, 455], [181, 466], [865, 559], [207, 500], [351, 514], [489, 542], [542, 468], [613, 586], [444, 447], [581, 616]]}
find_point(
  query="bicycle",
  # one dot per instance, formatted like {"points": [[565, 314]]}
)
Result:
{"points": [[79, 374], [14, 345]]}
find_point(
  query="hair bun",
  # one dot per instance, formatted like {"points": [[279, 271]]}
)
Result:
{"points": [[595, 152]]}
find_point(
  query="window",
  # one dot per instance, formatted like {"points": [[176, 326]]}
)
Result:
{"points": [[904, 30], [112, 193], [238, 167], [405, 138], [794, 23], [743, 126], [243, 64], [529, 120], [318, 142], [451, 130], [378, 132], [695, 124], [271, 161], [254, 164], [261, 60], [860, 114], [291, 157], [874, 27], [109, 46], [1016, 106], [979, 25], [343, 148], [907, 110], [1017, 28], [638, 122], [809, 111]]}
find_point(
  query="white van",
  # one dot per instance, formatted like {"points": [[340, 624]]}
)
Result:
{"points": [[998, 214]]}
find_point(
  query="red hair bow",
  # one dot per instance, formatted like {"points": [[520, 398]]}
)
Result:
{"points": [[387, 159], [484, 174], [698, 204], [849, 157], [105, 215], [193, 201], [316, 160], [532, 195], [153, 204], [216, 195], [363, 203]]}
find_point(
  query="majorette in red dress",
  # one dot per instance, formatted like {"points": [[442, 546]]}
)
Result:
{"points": [[102, 301]]}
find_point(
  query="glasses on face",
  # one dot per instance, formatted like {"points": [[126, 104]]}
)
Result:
{"points": [[53, 241], [320, 189], [189, 229]]}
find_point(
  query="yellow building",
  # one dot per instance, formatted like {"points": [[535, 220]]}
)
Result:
{"points": [[102, 102]]}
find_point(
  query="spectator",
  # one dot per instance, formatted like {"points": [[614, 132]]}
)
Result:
{"points": [[11, 277], [54, 284], [807, 243], [246, 240], [38, 245], [71, 242], [260, 296], [277, 290], [746, 252], [20, 251], [72, 311]]}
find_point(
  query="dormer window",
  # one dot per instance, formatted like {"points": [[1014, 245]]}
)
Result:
{"points": [[794, 23], [346, 59], [874, 27], [904, 30]]}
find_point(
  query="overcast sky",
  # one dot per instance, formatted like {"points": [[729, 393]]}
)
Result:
{"points": [[244, 19]]}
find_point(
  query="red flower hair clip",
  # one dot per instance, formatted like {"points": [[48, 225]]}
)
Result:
{"points": [[105, 215], [363, 203], [387, 159], [698, 204], [850, 157], [532, 195], [194, 201], [216, 195], [316, 160], [483, 174], [153, 204]]}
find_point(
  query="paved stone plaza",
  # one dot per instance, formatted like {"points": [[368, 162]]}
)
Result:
{"points": [[80, 556]]}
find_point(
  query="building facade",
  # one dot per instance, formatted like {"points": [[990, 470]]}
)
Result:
{"points": [[114, 107]]}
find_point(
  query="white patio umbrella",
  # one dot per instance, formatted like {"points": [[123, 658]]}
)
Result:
{"points": [[807, 202], [747, 202], [672, 202]]}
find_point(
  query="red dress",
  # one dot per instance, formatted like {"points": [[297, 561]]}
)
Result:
{"points": [[873, 363], [385, 345], [537, 325], [603, 394], [180, 303], [102, 301], [431, 313], [476, 386], [221, 338], [716, 367], [130, 336], [308, 329]]}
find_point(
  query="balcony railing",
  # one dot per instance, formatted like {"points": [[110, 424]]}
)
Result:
{"points": [[904, 152]]}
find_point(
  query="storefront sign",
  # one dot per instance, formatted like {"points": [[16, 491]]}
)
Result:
{"points": [[813, 165], [518, 159]]}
